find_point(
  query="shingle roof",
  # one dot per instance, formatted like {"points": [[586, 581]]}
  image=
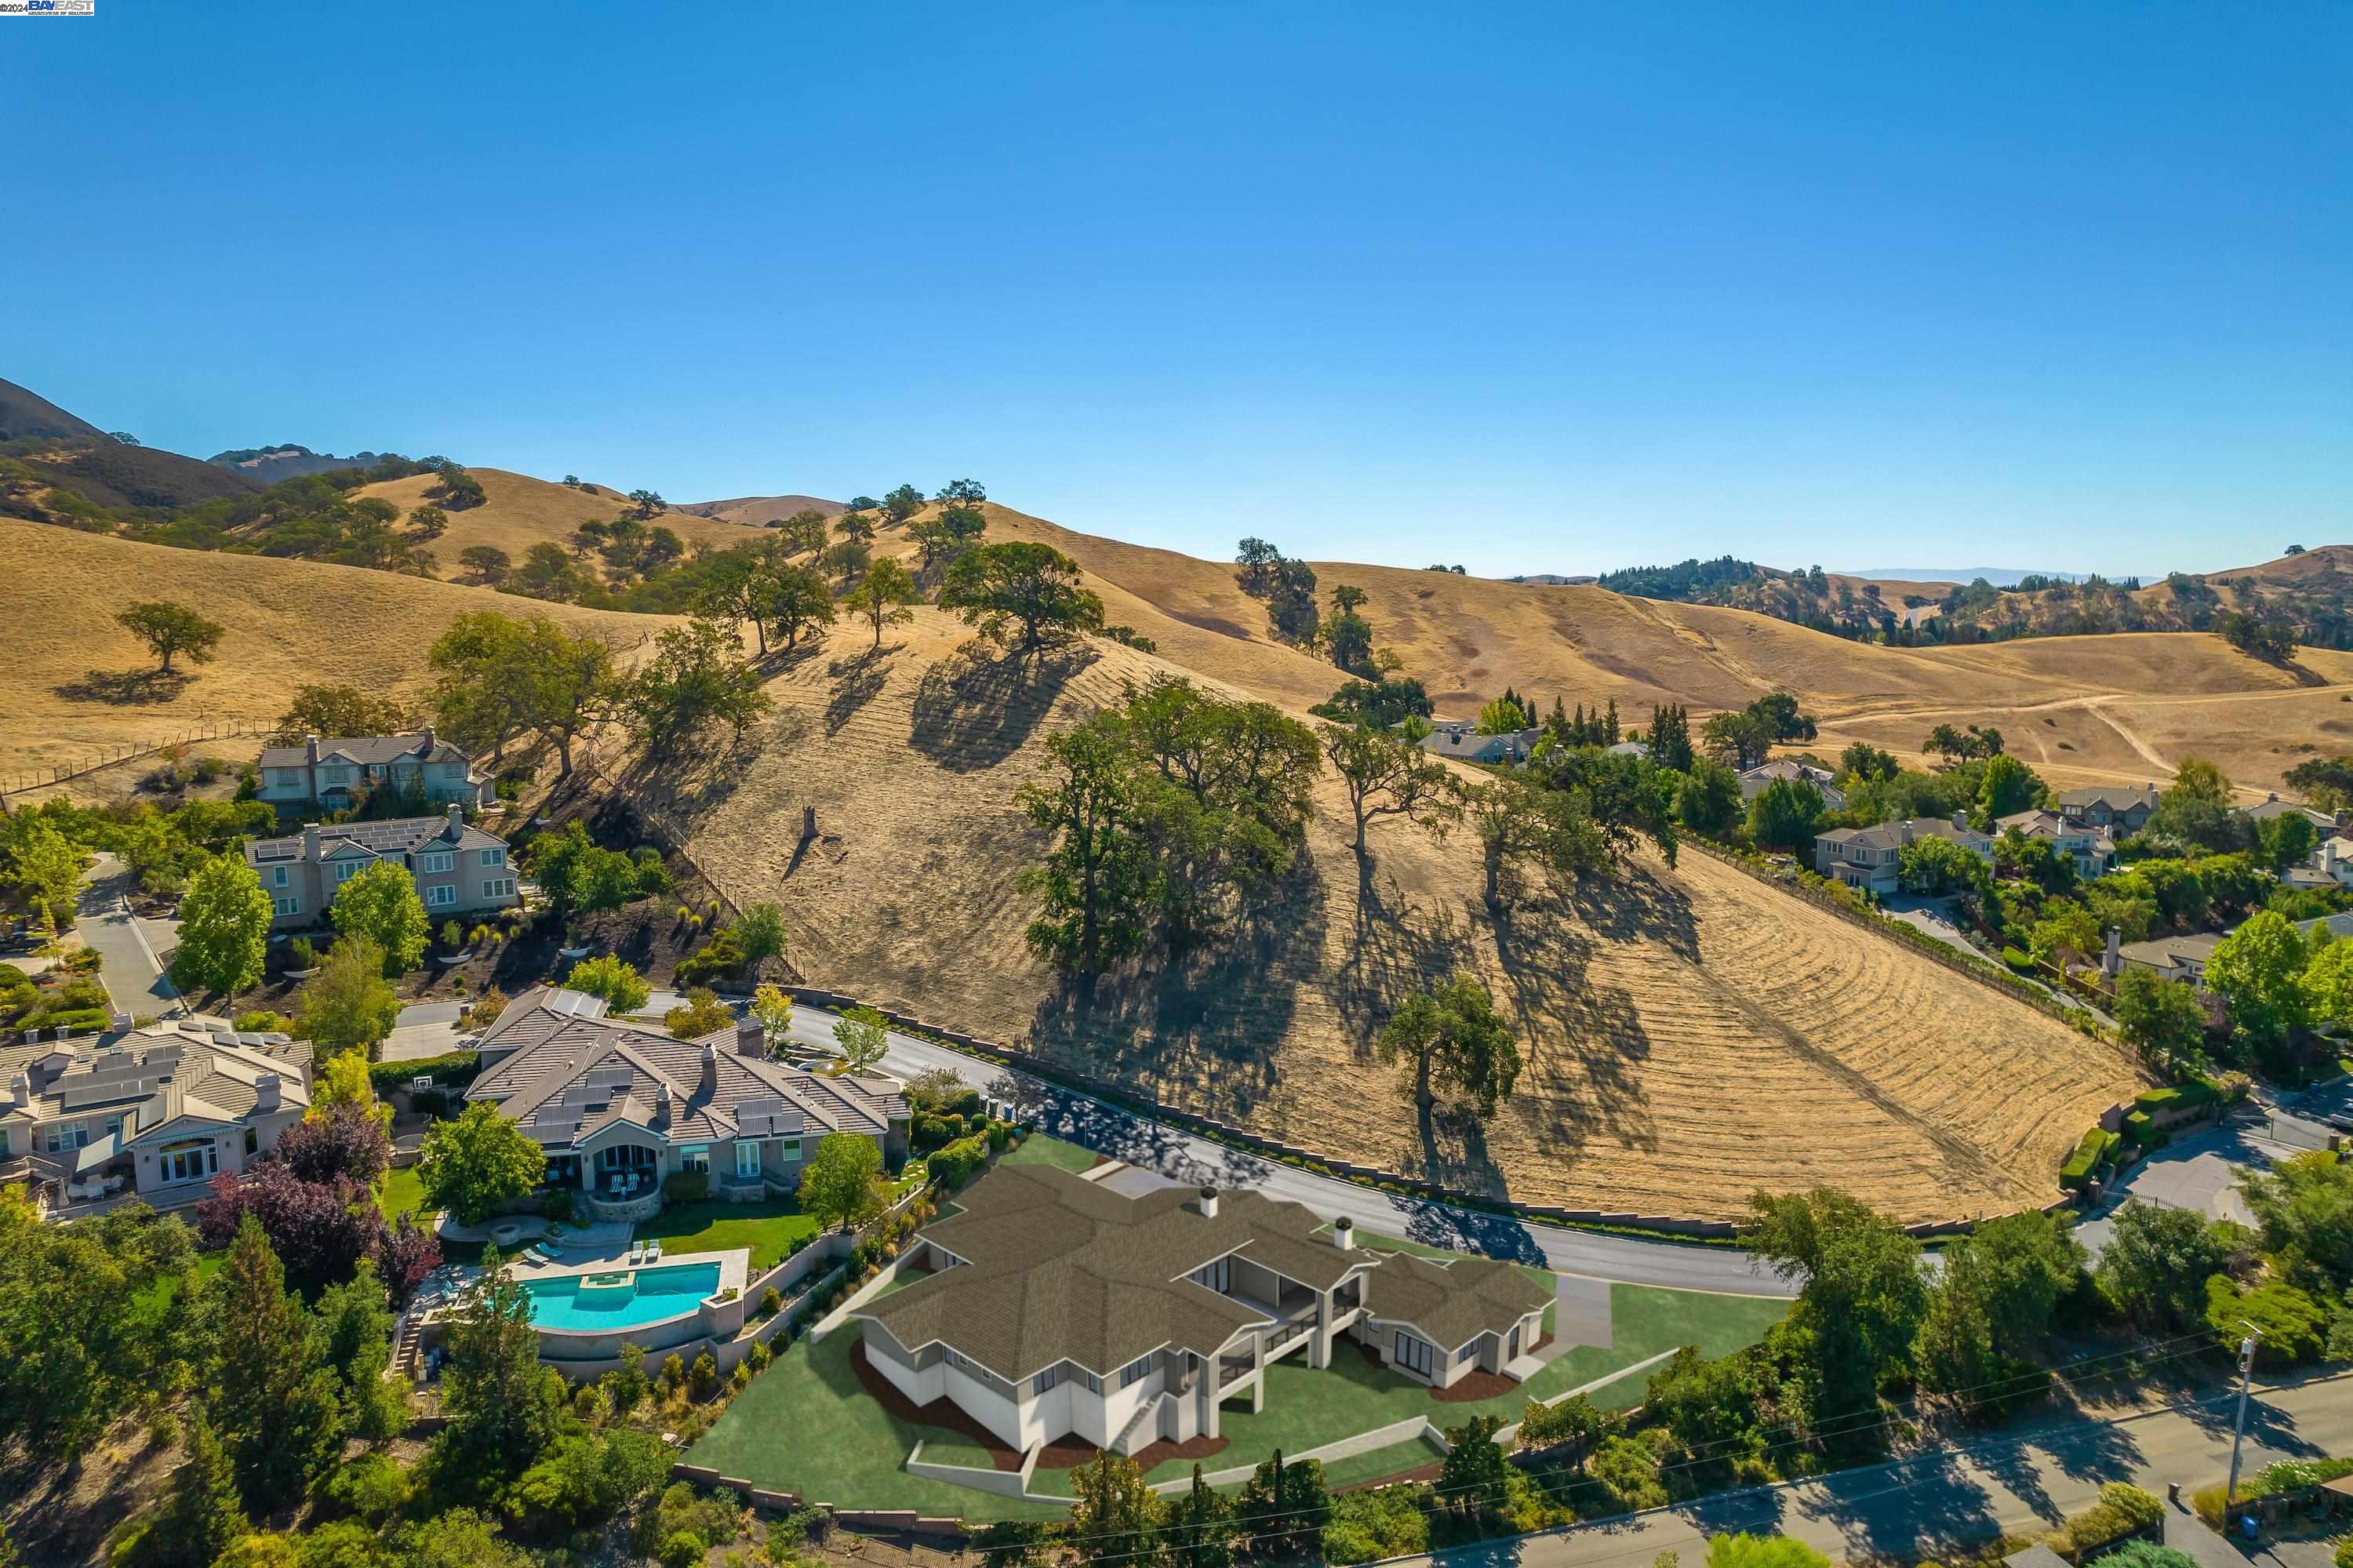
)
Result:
{"points": [[2115, 798], [584, 1074], [394, 835], [1455, 1301], [2038, 824], [2170, 952], [1056, 1268], [535, 1014], [165, 1072], [364, 749], [1895, 835]]}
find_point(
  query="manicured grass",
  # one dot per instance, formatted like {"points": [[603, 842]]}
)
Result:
{"points": [[768, 1228], [1039, 1150], [949, 1449], [402, 1193], [805, 1426], [150, 1305]]}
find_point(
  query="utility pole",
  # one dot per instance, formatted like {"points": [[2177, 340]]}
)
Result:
{"points": [[2238, 1435]]}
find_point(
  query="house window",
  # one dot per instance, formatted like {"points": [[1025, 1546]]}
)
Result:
{"points": [[1136, 1371], [5, 1150], [1413, 1354], [499, 887], [1218, 1275], [252, 1141], [190, 1161], [434, 864], [345, 869], [334, 775], [494, 857], [287, 905], [441, 893], [277, 876], [1045, 1380], [788, 1150], [1467, 1352], [747, 1157]]}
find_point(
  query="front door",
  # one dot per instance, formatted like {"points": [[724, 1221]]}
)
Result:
{"points": [[1513, 1352]]}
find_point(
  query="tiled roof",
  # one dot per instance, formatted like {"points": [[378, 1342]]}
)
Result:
{"points": [[1895, 835], [582, 1075], [365, 750], [2037, 824], [535, 1014], [163, 1072], [1454, 1302], [1056, 1268]]}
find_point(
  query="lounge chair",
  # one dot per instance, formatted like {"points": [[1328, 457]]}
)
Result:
{"points": [[653, 1252], [636, 1254], [546, 1252]]}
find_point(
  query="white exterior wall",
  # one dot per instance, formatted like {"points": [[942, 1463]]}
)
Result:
{"points": [[985, 1405]]}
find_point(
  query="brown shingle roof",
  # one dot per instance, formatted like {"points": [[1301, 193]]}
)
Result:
{"points": [[1455, 1301]]}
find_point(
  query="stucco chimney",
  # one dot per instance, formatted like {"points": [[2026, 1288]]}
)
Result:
{"points": [[1208, 1202], [457, 818], [2113, 959], [310, 841], [662, 1099], [710, 1057], [426, 735], [1960, 821], [1343, 1233], [750, 1039], [311, 749], [20, 1091], [266, 1090]]}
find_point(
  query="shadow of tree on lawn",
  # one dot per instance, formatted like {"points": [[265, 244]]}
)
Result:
{"points": [[125, 688]]}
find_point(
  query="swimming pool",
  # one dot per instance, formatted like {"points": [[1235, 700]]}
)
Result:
{"points": [[622, 1299]]}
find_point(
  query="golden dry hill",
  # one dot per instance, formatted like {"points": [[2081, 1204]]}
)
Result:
{"points": [[73, 680], [1689, 1035], [519, 512]]}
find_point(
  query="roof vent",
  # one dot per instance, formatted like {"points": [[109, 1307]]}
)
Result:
{"points": [[1208, 1202]]}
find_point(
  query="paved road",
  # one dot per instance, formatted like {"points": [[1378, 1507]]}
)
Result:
{"points": [[1921, 1507], [134, 979], [1111, 1132]]}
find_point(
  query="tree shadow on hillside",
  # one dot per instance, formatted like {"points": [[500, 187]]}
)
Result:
{"points": [[856, 680], [780, 659], [1637, 905], [1211, 1019], [972, 711], [1582, 1044], [125, 688], [686, 785]]}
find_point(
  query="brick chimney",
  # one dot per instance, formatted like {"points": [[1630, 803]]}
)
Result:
{"points": [[426, 735]]}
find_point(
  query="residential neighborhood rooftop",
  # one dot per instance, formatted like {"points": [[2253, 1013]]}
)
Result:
{"points": [[363, 750], [389, 836]]}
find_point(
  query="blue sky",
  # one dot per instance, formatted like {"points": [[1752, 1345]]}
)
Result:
{"points": [[1553, 288]]}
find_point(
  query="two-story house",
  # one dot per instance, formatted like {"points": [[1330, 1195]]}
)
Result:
{"points": [[157, 1113], [1463, 743], [2122, 811], [335, 773], [1756, 780], [2092, 849], [2325, 824], [459, 870], [1873, 858]]}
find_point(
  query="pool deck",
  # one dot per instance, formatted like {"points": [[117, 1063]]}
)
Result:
{"points": [[735, 1265]]}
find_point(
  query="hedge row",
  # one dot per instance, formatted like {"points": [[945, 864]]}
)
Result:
{"points": [[2123, 1510], [2088, 1157], [2182, 1097], [453, 1071]]}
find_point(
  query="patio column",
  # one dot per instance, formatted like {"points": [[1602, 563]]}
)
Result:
{"points": [[1319, 1339]]}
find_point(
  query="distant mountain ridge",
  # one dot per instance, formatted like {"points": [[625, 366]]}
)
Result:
{"points": [[1999, 576], [27, 415], [286, 460], [755, 511], [61, 467]]}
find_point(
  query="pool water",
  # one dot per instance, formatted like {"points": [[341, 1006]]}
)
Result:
{"points": [[621, 1300]]}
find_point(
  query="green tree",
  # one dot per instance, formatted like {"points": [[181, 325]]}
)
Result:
{"points": [[696, 677], [1286, 1507], [2066, 934], [2305, 1209], [881, 598], [1746, 1551], [202, 1515], [2163, 1018], [563, 684], [1380, 704], [702, 1013], [1517, 820], [1115, 1517], [2155, 1265], [1939, 866], [1031, 586], [355, 1318], [1451, 1037], [1954, 1351], [270, 1393], [623, 990], [471, 1165], [1475, 1477], [1785, 814], [839, 1184], [1738, 740], [170, 630], [1505, 715], [761, 933], [1198, 1530], [862, 1034], [486, 564], [480, 679], [223, 930], [799, 599], [2007, 786], [1386, 774], [347, 1005], [337, 712], [42, 865], [1707, 800], [2256, 968], [1348, 639], [1669, 736], [2286, 840], [774, 1009], [1859, 1310], [1098, 884], [380, 905], [2026, 1263], [503, 1407]]}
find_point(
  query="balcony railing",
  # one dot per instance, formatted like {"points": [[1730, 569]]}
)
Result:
{"points": [[1231, 1370]]}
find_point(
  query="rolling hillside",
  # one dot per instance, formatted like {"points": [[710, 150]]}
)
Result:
{"points": [[26, 415], [519, 512], [289, 622], [1689, 1034], [755, 511]]}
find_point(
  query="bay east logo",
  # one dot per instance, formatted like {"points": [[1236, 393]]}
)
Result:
{"points": [[48, 7]]}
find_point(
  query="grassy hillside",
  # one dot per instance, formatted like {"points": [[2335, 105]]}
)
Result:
{"points": [[26, 415], [519, 512], [755, 511], [1689, 1035], [289, 622]]}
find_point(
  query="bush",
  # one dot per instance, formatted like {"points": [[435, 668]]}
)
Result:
{"points": [[300, 954], [687, 1186], [723, 955], [2088, 1157], [371, 1487], [2018, 1385], [956, 1163], [771, 1303], [684, 1549], [2123, 1509], [453, 1071], [262, 1021], [703, 1381], [758, 1357], [999, 1134], [2139, 1131]]}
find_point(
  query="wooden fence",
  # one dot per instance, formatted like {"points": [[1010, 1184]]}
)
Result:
{"points": [[204, 728]]}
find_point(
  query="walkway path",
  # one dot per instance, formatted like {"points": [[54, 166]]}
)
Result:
{"points": [[133, 975], [1121, 1135], [1925, 1507]]}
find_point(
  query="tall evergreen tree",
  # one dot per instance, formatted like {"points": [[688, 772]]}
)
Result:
{"points": [[273, 1398], [203, 1516]]}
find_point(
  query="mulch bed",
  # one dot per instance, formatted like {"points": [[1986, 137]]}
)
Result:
{"points": [[941, 1413], [1421, 1473], [1070, 1452]]}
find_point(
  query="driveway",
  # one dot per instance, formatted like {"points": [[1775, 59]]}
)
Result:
{"points": [[126, 946], [1932, 916], [1156, 1145], [2201, 1171], [1939, 1503], [425, 1029]]}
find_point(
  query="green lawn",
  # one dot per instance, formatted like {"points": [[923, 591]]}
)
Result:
{"points": [[767, 1228], [403, 1193], [805, 1425], [1039, 1150], [150, 1305], [1378, 1465]]}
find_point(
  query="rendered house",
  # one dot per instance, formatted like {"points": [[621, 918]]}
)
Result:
{"points": [[334, 773], [1753, 782], [2091, 848], [157, 1114], [617, 1107], [458, 869], [2122, 811], [2330, 864], [2167, 958], [1871, 858], [1063, 1308]]}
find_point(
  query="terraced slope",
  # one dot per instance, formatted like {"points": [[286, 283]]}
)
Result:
{"points": [[1689, 1035]]}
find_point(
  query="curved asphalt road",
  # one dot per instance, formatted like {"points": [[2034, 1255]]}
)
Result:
{"points": [[1121, 1135]]}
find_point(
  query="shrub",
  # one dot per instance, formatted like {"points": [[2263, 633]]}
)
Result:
{"points": [[703, 1381], [2088, 1157], [557, 1206], [673, 1372], [723, 955], [263, 1022], [684, 1549], [771, 1303], [998, 1133], [956, 1163], [453, 936], [300, 954], [371, 1487], [686, 1186], [452, 1071], [653, 877], [2123, 1509], [758, 1357]]}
